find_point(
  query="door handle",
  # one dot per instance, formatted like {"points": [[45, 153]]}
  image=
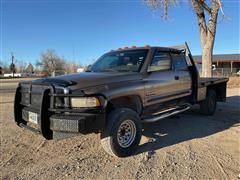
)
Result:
{"points": [[176, 77]]}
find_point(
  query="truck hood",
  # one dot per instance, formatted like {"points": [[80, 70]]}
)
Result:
{"points": [[90, 79]]}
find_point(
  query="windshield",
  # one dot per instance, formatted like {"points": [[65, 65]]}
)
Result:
{"points": [[124, 61]]}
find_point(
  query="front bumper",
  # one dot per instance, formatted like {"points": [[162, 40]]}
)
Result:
{"points": [[83, 123], [54, 123]]}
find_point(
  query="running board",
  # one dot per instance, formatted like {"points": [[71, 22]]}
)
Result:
{"points": [[166, 114]]}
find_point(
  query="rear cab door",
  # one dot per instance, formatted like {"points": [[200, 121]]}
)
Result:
{"points": [[181, 72], [162, 82]]}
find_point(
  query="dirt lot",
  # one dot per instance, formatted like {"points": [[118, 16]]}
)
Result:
{"points": [[187, 146]]}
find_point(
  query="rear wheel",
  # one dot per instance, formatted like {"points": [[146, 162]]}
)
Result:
{"points": [[122, 133], [208, 106]]}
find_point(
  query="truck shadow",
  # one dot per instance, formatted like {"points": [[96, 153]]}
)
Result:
{"points": [[190, 125]]}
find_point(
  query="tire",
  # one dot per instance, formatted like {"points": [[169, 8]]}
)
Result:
{"points": [[208, 106], [122, 133]]}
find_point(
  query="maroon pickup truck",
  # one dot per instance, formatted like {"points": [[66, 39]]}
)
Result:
{"points": [[121, 90]]}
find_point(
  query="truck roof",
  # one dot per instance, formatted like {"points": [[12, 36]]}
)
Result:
{"points": [[146, 47]]}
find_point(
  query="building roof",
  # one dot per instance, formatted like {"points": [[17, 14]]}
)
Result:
{"points": [[221, 58]]}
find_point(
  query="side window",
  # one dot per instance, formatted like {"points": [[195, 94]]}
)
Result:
{"points": [[160, 61], [179, 62]]}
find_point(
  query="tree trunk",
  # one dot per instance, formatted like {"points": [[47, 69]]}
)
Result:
{"points": [[208, 48], [207, 33], [201, 22], [207, 60]]}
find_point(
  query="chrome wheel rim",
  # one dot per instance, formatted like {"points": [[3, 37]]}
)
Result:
{"points": [[126, 133]]}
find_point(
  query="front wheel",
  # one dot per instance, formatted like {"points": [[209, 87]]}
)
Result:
{"points": [[122, 133]]}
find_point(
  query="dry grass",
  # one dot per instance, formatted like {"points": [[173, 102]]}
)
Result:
{"points": [[234, 82]]}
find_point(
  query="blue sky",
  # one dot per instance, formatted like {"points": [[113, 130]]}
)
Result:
{"points": [[82, 30]]}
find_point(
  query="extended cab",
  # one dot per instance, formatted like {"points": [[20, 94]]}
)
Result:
{"points": [[121, 90]]}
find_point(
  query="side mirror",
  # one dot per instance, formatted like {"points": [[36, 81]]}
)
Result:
{"points": [[88, 68]]}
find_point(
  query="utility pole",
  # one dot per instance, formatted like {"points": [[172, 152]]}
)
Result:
{"points": [[12, 65]]}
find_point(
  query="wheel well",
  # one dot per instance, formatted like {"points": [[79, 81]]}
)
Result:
{"points": [[132, 102]]}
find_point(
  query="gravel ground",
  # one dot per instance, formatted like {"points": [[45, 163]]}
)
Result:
{"points": [[187, 146]]}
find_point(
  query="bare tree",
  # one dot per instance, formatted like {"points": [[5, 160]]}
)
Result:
{"points": [[207, 31], [12, 68], [29, 68], [21, 65], [51, 62], [71, 67], [5, 67]]}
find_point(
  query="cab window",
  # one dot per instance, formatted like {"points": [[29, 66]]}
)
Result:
{"points": [[160, 61], [179, 62]]}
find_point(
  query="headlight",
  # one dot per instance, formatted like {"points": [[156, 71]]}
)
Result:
{"points": [[80, 102]]}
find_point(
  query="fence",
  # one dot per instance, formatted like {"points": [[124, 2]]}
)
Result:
{"points": [[225, 72]]}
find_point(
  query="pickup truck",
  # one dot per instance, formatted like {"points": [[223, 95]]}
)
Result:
{"points": [[122, 90]]}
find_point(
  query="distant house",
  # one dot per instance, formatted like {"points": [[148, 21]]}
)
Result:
{"points": [[12, 75], [224, 64]]}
